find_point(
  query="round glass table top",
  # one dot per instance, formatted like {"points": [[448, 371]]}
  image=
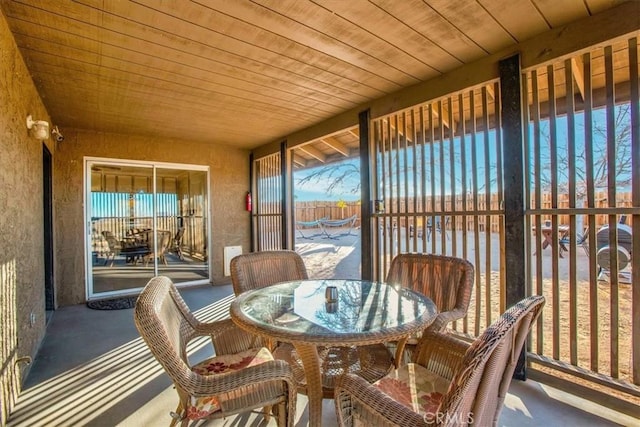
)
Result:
{"points": [[349, 310]]}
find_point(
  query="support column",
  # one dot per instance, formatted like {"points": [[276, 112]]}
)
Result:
{"points": [[365, 193], [286, 243], [514, 215]]}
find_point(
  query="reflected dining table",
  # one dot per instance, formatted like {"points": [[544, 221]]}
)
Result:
{"points": [[347, 327]]}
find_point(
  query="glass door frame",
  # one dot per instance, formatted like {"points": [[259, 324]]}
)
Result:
{"points": [[88, 163]]}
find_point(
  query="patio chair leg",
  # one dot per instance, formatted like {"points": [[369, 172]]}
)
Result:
{"points": [[106, 261], [281, 414], [178, 415]]}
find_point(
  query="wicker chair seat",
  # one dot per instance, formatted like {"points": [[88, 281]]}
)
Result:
{"points": [[199, 407], [415, 387]]}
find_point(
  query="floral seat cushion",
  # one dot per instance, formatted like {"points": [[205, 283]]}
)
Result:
{"points": [[202, 407], [415, 387]]}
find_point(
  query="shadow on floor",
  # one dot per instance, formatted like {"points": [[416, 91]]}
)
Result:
{"points": [[93, 369]]}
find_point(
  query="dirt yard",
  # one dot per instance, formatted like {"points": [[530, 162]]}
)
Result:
{"points": [[562, 309]]}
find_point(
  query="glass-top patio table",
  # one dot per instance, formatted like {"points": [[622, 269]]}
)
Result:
{"points": [[350, 326]]}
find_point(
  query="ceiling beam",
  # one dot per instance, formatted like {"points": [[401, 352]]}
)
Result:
{"points": [[436, 113], [398, 131], [490, 91], [336, 145], [314, 152], [299, 160], [443, 117], [577, 69]]}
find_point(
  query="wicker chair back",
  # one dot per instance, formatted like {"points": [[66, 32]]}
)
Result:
{"points": [[258, 269]]}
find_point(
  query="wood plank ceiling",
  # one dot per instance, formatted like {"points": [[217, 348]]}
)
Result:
{"points": [[245, 73]]}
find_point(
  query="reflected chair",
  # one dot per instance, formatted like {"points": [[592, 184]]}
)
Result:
{"points": [[240, 378], [160, 250], [115, 247], [177, 243], [448, 281], [450, 381]]}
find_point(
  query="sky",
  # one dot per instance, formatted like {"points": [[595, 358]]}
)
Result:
{"points": [[401, 163], [317, 188]]}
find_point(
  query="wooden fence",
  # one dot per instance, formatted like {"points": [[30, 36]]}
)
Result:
{"points": [[310, 211]]}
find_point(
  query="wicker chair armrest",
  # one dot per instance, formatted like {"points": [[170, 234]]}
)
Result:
{"points": [[441, 353], [443, 319], [381, 408], [230, 382], [227, 337]]}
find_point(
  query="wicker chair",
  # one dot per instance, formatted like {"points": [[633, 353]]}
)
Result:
{"points": [[448, 281], [238, 379], [451, 382], [259, 269]]}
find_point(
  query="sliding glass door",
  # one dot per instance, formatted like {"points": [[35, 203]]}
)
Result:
{"points": [[182, 205], [143, 220]]}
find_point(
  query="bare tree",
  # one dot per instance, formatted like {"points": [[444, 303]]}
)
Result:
{"points": [[621, 151], [341, 175]]}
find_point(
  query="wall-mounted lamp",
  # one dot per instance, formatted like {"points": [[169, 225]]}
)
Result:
{"points": [[40, 128]]}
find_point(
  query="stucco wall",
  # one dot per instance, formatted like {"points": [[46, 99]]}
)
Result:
{"points": [[21, 221], [229, 181]]}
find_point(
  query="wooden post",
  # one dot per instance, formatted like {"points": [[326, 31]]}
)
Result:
{"points": [[365, 194], [514, 219], [252, 218], [288, 207]]}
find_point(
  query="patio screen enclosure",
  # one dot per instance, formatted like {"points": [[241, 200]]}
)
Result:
{"points": [[582, 151], [437, 183], [438, 173]]}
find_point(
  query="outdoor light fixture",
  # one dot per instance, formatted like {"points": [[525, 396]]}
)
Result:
{"points": [[40, 128]]}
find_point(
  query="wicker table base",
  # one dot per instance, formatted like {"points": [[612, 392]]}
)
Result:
{"points": [[371, 362]]}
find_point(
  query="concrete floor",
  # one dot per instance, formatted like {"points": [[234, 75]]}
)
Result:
{"points": [[93, 369]]}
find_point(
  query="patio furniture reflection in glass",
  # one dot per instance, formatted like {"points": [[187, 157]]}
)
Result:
{"points": [[333, 338]]}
